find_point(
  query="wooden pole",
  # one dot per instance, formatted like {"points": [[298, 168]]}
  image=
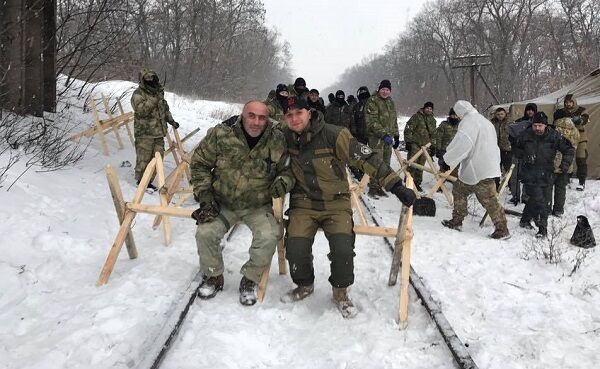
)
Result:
{"points": [[500, 191], [172, 149], [160, 171], [355, 199], [397, 253], [173, 182], [407, 235], [111, 259], [187, 137], [131, 139], [278, 211], [182, 154], [447, 193], [114, 127], [99, 128], [117, 196]]}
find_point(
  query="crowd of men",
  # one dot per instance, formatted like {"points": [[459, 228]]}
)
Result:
{"points": [[294, 143]]}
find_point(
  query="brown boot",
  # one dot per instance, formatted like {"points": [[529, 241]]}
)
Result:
{"points": [[297, 294], [501, 233], [343, 303]]}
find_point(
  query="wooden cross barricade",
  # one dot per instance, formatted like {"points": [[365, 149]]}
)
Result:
{"points": [[102, 127]]}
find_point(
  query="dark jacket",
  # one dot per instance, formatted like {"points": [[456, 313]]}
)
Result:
{"points": [[337, 113], [537, 153], [358, 125]]}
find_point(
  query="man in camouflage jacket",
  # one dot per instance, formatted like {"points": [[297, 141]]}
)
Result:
{"points": [[444, 134], [321, 198], [276, 103], [236, 170], [580, 118], [419, 131], [568, 130], [151, 115], [501, 123], [382, 128]]}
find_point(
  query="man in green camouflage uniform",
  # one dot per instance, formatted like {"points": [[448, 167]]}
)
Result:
{"points": [[580, 118], [276, 103], [501, 123], [236, 170], [321, 198], [298, 89], [151, 115], [382, 129], [444, 134], [564, 125], [419, 131]]}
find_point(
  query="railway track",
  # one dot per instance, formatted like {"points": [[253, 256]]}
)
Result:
{"points": [[159, 346]]}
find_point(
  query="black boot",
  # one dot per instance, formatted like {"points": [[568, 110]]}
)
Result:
{"points": [[210, 287], [542, 232], [247, 292]]}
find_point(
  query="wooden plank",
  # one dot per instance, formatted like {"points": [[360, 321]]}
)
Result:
{"points": [[278, 211], [406, 249], [160, 210], [99, 129], [173, 149], [397, 252], [160, 171], [106, 125], [447, 193], [187, 137], [375, 231], [111, 259], [500, 191], [354, 199], [131, 139], [117, 196], [182, 154], [110, 116], [173, 184]]}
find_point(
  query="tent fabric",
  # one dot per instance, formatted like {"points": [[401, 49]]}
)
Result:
{"points": [[587, 93]]}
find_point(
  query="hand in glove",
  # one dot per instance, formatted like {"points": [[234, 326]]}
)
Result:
{"points": [[576, 120], [432, 151], [405, 195], [278, 188], [443, 166], [396, 142], [175, 124], [388, 140], [207, 211]]}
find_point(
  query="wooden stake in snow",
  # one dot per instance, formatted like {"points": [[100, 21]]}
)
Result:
{"points": [[404, 238], [117, 196], [264, 279], [160, 171]]}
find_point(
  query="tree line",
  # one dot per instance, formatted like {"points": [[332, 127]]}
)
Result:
{"points": [[534, 47], [214, 49]]}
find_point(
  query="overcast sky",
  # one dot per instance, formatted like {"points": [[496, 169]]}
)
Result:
{"points": [[328, 36]]}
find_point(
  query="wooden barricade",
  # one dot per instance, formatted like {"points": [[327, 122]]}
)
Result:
{"points": [[102, 127]]}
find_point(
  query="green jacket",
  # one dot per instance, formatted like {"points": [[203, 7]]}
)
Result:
{"points": [[381, 118], [420, 129], [276, 112], [319, 158], [292, 92], [223, 166], [339, 115], [578, 111], [502, 133], [151, 111], [444, 134], [569, 131]]}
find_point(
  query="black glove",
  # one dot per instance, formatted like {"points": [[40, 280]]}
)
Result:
{"points": [[432, 151], [440, 154], [405, 195], [278, 188], [576, 120], [443, 166], [208, 210], [175, 124], [396, 142], [565, 169]]}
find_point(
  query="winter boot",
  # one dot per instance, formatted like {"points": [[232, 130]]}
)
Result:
{"points": [[500, 233], [542, 232], [152, 187], [558, 213], [524, 223], [297, 294], [452, 224], [418, 187], [343, 303], [247, 292], [210, 287], [373, 193], [580, 187]]}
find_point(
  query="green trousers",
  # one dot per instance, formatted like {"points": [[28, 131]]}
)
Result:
{"points": [[265, 234], [145, 147], [376, 144]]}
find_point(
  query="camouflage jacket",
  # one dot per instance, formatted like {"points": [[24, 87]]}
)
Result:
{"points": [[239, 178], [502, 133], [338, 115], [319, 158], [420, 129], [292, 92], [381, 118], [444, 135], [151, 111], [276, 112], [568, 130], [578, 111]]}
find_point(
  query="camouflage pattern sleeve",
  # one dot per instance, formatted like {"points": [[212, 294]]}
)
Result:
{"points": [[374, 125], [409, 130], [284, 171], [203, 161], [350, 151], [166, 111], [143, 106]]}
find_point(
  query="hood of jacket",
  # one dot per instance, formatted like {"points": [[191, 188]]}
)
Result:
{"points": [[463, 108]]}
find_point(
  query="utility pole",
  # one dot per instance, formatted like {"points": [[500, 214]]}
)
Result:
{"points": [[474, 64]]}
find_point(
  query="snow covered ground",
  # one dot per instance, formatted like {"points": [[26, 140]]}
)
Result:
{"points": [[512, 309]]}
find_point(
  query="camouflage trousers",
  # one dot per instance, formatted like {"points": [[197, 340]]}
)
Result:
{"points": [[376, 144], [145, 147], [266, 232], [300, 235], [417, 174], [486, 194]]}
